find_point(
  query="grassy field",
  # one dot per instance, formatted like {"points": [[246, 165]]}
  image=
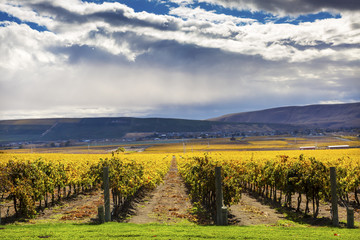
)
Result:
{"points": [[178, 231]]}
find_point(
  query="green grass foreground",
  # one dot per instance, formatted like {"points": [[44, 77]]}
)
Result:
{"points": [[178, 231]]}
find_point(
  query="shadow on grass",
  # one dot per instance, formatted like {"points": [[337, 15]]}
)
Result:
{"points": [[293, 215]]}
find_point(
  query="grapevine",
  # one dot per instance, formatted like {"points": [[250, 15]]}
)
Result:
{"points": [[271, 176], [31, 181]]}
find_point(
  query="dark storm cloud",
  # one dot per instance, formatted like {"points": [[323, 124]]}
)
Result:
{"points": [[192, 58], [293, 6], [59, 13], [115, 17], [87, 54], [156, 53], [319, 45], [162, 54]]}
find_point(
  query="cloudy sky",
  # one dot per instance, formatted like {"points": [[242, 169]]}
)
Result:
{"points": [[191, 59]]}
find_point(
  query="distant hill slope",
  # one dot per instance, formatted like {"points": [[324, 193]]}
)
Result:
{"points": [[115, 128], [285, 119], [324, 115]]}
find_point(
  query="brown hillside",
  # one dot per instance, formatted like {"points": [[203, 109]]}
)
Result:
{"points": [[324, 115]]}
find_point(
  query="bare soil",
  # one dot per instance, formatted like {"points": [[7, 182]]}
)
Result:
{"points": [[168, 203], [81, 207], [252, 212]]}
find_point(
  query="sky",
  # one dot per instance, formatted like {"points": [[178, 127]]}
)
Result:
{"points": [[191, 59]]}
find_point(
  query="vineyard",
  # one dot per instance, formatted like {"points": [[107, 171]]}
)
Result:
{"points": [[34, 181], [273, 175], [31, 181]]}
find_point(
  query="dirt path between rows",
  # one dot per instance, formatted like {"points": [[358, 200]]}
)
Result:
{"points": [[168, 203]]}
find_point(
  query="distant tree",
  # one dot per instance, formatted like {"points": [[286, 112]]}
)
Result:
{"points": [[67, 143], [120, 149]]}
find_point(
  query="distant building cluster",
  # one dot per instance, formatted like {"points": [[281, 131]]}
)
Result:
{"points": [[328, 147]]}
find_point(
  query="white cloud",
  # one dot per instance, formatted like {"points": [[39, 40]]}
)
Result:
{"points": [[182, 2], [26, 14], [23, 48], [106, 59], [205, 29]]}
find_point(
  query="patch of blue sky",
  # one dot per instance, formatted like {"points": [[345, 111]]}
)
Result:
{"points": [[155, 7], [317, 16], [262, 16], [259, 16], [302, 18], [7, 17], [162, 7]]}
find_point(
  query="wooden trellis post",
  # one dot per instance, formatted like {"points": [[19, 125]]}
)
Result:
{"points": [[107, 195], [221, 210], [350, 217], [101, 214], [334, 199], [0, 211]]}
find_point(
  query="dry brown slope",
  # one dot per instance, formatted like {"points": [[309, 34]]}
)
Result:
{"points": [[323, 115]]}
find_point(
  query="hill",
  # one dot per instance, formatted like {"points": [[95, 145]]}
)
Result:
{"points": [[322, 116], [117, 128], [275, 120]]}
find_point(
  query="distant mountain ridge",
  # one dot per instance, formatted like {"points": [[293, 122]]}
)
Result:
{"points": [[275, 120], [117, 128], [322, 115]]}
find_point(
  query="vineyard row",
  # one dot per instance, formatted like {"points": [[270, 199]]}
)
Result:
{"points": [[30, 184], [272, 178]]}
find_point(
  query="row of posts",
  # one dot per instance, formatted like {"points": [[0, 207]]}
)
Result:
{"points": [[222, 213], [221, 210]]}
